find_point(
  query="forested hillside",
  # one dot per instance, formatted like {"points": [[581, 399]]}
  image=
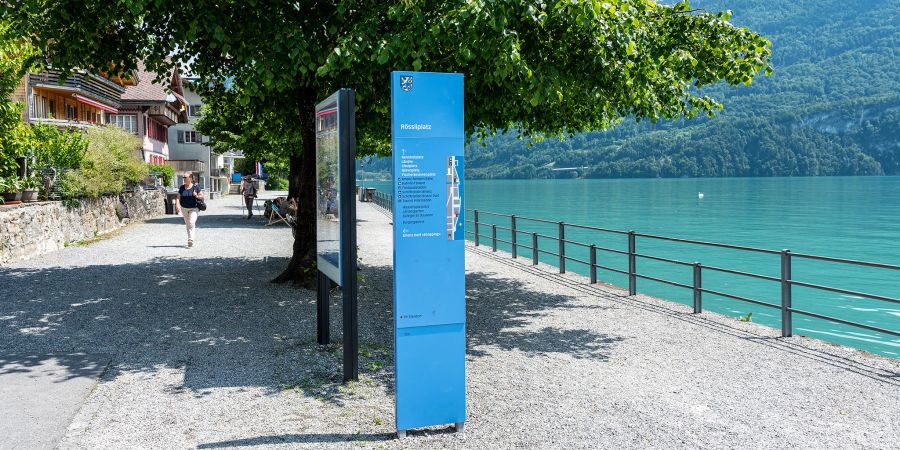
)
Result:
{"points": [[832, 107]]}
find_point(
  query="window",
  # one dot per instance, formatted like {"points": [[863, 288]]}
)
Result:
{"points": [[194, 110], [52, 109], [189, 137], [125, 121], [71, 113], [156, 130]]}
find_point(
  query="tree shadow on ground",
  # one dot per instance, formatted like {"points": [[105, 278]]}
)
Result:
{"points": [[218, 221], [223, 323], [719, 325], [300, 439], [501, 313]]}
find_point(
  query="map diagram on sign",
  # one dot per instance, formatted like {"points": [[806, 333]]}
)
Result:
{"points": [[454, 199]]}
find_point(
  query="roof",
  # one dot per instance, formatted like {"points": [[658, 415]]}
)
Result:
{"points": [[145, 89]]}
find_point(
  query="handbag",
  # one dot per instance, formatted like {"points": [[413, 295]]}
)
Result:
{"points": [[201, 204]]}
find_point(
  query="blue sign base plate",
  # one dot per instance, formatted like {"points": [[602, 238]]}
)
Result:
{"points": [[431, 380]]}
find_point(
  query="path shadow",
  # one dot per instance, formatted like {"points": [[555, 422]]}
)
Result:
{"points": [[299, 439], [721, 325], [227, 326], [500, 313], [213, 317], [218, 221]]}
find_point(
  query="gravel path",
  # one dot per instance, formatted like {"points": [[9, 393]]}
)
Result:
{"points": [[208, 354]]}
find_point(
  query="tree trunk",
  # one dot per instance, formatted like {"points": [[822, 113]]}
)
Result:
{"points": [[294, 177], [302, 267]]}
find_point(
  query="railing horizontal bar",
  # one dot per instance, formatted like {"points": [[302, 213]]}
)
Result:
{"points": [[587, 227], [847, 261], [658, 258], [505, 242], [673, 283], [712, 244], [582, 244], [746, 274], [612, 269], [569, 258], [612, 250], [845, 322], [510, 215], [547, 253], [845, 291], [738, 297], [490, 213]]}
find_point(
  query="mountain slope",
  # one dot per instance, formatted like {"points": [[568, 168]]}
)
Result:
{"points": [[832, 107]]}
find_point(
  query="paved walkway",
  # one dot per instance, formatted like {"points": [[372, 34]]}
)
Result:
{"points": [[204, 352]]}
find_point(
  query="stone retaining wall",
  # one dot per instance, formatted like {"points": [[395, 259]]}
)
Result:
{"points": [[31, 229]]}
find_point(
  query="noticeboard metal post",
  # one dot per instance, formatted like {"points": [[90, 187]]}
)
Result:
{"points": [[336, 219], [428, 137]]}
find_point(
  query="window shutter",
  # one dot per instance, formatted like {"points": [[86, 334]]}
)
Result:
{"points": [[180, 137]]}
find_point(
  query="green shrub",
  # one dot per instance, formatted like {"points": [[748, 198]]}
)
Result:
{"points": [[109, 162], [13, 136], [166, 172], [274, 183], [63, 149]]}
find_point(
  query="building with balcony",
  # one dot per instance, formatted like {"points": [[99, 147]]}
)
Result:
{"points": [[187, 144], [81, 100], [149, 108]]}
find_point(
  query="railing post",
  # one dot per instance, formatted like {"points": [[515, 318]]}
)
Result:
{"points": [[593, 263], [698, 285], [534, 249], [787, 328], [632, 265], [476, 228], [562, 247], [512, 225], [493, 238]]}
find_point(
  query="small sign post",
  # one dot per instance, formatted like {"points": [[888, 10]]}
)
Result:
{"points": [[429, 249], [336, 219]]}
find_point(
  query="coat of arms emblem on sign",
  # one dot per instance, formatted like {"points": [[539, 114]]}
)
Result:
{"points": [[406, 83]]}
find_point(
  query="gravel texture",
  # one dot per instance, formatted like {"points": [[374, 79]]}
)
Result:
{"points": [[208, 354]]}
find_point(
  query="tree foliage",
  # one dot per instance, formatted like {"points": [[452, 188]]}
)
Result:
{"points": [[16, 56], [544, 68], [830, 108]]}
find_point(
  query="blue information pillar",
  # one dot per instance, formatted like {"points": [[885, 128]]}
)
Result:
{"points": [[429, 249]]}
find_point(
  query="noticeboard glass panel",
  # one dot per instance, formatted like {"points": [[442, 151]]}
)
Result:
{"points": [[328, 182]]}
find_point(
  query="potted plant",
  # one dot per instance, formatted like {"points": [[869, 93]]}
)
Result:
{"points": [[30, 187], [11, 188]]}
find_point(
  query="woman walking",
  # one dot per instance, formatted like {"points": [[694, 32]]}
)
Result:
{"points": [[188, 194], [248, 189]]}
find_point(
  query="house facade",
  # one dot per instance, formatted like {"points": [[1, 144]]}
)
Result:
{"points": [[148, 109], [188, 148], [82, 100]]}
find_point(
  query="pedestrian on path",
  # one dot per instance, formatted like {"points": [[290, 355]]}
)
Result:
{"points": [[248, 189], [188, 194]]}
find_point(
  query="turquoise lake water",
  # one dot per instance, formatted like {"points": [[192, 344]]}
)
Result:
{"points": [[846, 217]]}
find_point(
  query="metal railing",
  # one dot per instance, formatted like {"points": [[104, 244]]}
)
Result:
{"points": [[785, 280], [383, 200]]}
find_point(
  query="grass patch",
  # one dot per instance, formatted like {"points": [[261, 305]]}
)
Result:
{"points": [[93, 240]]}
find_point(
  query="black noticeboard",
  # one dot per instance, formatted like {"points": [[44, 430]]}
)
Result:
{"points": [[336, 219]]}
